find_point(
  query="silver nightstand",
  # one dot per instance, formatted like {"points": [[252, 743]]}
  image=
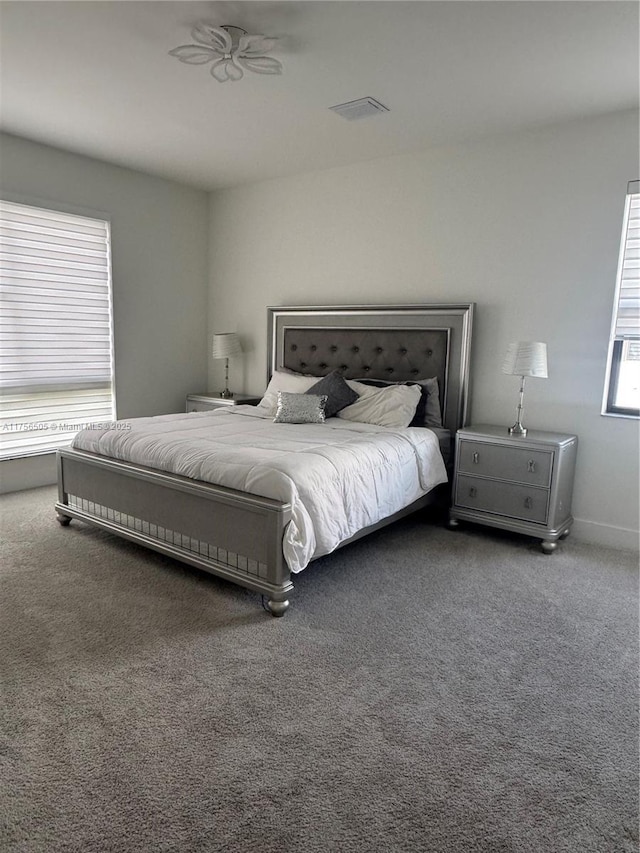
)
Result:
{"points": [[524, 484], [206, 401]]}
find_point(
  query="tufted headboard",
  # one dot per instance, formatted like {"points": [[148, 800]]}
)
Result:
{"points": [[395, 343]]}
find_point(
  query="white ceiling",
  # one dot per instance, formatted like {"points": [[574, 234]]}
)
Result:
{"points": [[96, 78]]}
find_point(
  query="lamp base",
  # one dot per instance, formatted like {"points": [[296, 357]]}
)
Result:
{"points": [[517, 429], [226, 394]]}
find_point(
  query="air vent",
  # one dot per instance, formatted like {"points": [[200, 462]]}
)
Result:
{"points": [[361, 108]]}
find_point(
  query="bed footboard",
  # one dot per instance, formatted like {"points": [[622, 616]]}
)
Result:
{"points": [[230, 534]]}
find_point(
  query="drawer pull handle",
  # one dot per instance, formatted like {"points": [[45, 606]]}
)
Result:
{"points": [[528, 503], [531, 466], [473, 492], [476, 457]]}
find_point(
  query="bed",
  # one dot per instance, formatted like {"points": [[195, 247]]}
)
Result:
{"points": [[245, 529]]}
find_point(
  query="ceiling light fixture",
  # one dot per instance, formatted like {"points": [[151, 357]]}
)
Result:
{"points": [[362, 108], [231, 50]]}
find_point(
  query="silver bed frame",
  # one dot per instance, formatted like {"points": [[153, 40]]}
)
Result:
{"points": [[238, 536]]}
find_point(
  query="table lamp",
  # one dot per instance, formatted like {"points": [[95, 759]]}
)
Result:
{"points": [[525, 358], [225, 345]]}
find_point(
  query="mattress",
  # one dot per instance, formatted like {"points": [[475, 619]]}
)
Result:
{"points": [[339, 477]]}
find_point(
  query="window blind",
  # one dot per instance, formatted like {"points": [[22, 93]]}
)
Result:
{"points": [[56, 353], [627, 309]]}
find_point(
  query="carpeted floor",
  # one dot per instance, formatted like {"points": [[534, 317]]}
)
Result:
{"points": [[427, 691]]}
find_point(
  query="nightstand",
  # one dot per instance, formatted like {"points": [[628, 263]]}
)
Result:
{"points": [[206, 401], [518, 483]]}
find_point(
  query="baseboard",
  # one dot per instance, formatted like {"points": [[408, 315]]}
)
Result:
{"points": [[622, 538], [29, 472], [16, 475]]}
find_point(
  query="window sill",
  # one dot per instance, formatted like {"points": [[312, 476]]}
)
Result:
{"points": [[627, 415]]}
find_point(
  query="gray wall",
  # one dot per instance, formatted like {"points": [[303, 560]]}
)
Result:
{"points": [[159, 254], [526, 225]]}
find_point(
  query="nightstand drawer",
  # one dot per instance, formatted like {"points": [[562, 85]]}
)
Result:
{"points": [[517, 464], [207, 402], [526, 502], [199, 406]]}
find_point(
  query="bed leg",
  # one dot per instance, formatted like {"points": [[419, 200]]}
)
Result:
{"points": [[64, 520], [278, 608]]}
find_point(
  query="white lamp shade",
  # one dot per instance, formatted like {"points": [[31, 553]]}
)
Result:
{"points": [[526, 358], [225, 345]]}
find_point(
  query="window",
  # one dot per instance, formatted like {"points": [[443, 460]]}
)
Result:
{"points": [[622, 390], [56, 353]]}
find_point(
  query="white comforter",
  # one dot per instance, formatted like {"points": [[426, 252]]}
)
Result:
{"points": [[338, 476]]}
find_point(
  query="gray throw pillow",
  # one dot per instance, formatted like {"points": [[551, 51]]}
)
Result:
{"points": [[338, 393], [300, 408], [433, 407]]}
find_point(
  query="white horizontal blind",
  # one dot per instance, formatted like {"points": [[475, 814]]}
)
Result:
{"points": [[56, 360], [627, 310]]}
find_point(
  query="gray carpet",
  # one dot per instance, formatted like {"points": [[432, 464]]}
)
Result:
{"points": [[428, 690]]}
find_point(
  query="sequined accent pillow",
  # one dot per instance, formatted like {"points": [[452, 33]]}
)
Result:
{"points": [[300, 408]]}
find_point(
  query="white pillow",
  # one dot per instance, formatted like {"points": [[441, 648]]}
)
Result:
{"points": [[289, 382], [393, 406]]}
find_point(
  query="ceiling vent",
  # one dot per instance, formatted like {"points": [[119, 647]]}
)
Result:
{"points": [[361, 108]]}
